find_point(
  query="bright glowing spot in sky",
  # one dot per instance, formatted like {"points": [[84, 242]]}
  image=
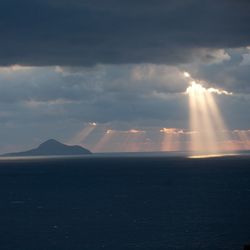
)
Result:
{"points": [[219, 91], [194, 86], [186, 74], [135, 131], [171, 131]]}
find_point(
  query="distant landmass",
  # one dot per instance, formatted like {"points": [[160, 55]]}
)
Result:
{"points": [[52, 147]]}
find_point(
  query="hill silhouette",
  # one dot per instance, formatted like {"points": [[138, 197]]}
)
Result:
{"points": [[52, 147]]}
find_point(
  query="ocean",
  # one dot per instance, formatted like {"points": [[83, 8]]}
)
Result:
{"points": [[125, 203]]}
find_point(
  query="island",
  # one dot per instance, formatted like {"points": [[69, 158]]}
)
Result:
{"points": [[52, 147]]}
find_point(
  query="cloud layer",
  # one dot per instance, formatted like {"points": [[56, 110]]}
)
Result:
{"points": [[66, 32], [118, 64]]}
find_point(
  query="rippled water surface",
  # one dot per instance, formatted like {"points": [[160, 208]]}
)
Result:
{"points": [[118, 203]]}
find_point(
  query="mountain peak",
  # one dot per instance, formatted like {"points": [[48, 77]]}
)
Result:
{"points": [[53, 147], [50, 142]]}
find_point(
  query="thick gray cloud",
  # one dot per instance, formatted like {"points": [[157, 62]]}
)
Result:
{"points": [[231, 74], [139, 94], [102, 93], [66, 32]]}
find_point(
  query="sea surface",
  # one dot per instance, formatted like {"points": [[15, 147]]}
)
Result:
{"points": [[125, 203]]}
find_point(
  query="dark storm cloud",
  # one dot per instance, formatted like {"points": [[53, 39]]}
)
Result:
{"points": [[231, 74], [89, 85], [49, 94], [88, 32]]}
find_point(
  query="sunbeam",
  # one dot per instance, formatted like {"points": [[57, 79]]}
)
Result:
{"points": [[209, 132], [79, 138], [104, 140], [171, 140]]}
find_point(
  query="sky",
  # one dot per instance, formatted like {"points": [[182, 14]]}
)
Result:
{"points": [[109, 75]]}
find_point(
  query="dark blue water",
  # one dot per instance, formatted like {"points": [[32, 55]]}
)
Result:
{"points": [[120, 203]]}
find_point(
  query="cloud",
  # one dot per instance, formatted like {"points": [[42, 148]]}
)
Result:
{"points": [[73, 33], [231, 75], [57, 85], [172, 131], [139, 94], [128, 93]]}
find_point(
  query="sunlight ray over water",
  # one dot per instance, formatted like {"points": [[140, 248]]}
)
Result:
{"points": [[209, 130], [79, 138]]}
